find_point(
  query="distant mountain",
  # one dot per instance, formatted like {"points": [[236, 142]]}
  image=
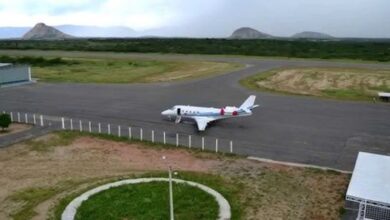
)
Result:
{"points": [[42, 31], [312, 35], [96, 31], [249, 33]]}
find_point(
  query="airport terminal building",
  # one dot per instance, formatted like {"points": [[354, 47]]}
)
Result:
{"points": [[14, 74]]}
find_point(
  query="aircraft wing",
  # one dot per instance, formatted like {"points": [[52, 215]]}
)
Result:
{"points": [[202, 122]]}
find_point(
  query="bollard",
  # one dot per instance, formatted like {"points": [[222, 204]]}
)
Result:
{"points": [[63, 123], [99, 128], [26, 118], [231, 146], [108, 129], [189, 141], [165, 140], [81, 126], [140, 134], [18, 117], [34, 119], [71, 124], [90, 127], [119, 131], [12, 116], [41, 120], [130, 133], [152, 136], [216, 145], [202, 143]]}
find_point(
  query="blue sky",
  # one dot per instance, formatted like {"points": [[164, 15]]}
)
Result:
{"points": [[208, 18]]}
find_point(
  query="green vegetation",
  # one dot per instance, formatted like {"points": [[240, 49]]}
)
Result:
{"points": [[5, 121], [36, 61], [59, 139], [346, 49], [336, 83], [149, 201]]}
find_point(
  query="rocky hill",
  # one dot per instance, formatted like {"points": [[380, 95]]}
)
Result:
{"points": [[312, 35], [249, 33], [44, 32]]}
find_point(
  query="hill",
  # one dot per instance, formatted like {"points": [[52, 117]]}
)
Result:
{"points": [[44, 32], [312, 35], [249, 33]]}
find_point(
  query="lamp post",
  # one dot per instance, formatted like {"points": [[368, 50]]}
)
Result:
{"points": [[171, 214]]}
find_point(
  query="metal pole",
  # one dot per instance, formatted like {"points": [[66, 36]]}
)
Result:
{"points": [[100, 128], [189, 141], [202, 143], [109, 129], [152, 136], [140, 134], [63, 123], [26, 118], [119, 131], [177, 139], [81, 125], [90, 127], [71, 124], [41, 120], [12, 116], [231, 146], [165, 140], [170, 194], [216, 145], [130, 133], [34, 119], [18, 117]]}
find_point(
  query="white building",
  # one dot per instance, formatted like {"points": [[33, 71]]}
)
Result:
{"points": [[14, 74]]}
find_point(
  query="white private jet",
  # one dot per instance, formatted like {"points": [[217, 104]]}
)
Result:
{"points": [[205, 115]]}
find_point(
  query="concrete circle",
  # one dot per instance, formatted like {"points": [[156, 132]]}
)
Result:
{"points": [[70, 210]]}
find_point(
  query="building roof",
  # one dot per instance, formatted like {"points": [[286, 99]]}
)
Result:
{"points": [[384, 94], [370, 179]]}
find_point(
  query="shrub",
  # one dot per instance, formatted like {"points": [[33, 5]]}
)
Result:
{"points": [[5, 121]]}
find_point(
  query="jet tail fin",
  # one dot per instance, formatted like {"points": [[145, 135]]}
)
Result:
{"points": [[249, 103]]}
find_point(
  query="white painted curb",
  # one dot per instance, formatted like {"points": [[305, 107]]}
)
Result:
{"points": [[70, 211]]}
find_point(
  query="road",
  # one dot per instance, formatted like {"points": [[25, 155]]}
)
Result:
{"points": [[287, 128]]}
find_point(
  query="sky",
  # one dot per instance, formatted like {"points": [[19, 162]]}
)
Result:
{"points": [[208, 18]]}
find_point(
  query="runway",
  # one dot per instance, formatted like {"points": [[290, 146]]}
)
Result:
{"points": [[287, 128]]}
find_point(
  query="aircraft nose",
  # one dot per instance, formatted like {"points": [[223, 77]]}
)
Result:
{"points": [[165, 113]]}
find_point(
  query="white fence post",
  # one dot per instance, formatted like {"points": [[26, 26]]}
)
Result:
{"points": [[202, 143], [41, 120], [63, 123], [130, 136], [12, 116], [189, 141], [26, 118], [108, 129], [71, 124], [165, 140], [81, 125], [90, 127], [231, 146], [18, 117], [119, 131], [152, 136], [99, 128], [140, 134], [216, 145], [34, 119], [177, 139]]}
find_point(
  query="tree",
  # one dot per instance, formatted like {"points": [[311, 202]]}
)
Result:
{"points": [[5, 121]]}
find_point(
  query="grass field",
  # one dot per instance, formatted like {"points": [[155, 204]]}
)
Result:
{"points": [[78, 162], [149, 201], [337, 83], [110, 70]]}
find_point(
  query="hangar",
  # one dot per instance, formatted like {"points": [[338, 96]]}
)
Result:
{"points": [[14, 74], [369, 188]]}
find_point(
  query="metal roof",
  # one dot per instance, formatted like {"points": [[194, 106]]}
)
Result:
{"points": [[384, 94], [371, 179], [5, 64]]}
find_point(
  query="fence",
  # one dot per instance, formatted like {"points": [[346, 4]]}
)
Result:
{"points": [[373, 211], [130, 132]]}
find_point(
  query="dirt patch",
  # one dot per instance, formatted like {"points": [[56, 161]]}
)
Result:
{"points": [[267, 189], [15, 128]]}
